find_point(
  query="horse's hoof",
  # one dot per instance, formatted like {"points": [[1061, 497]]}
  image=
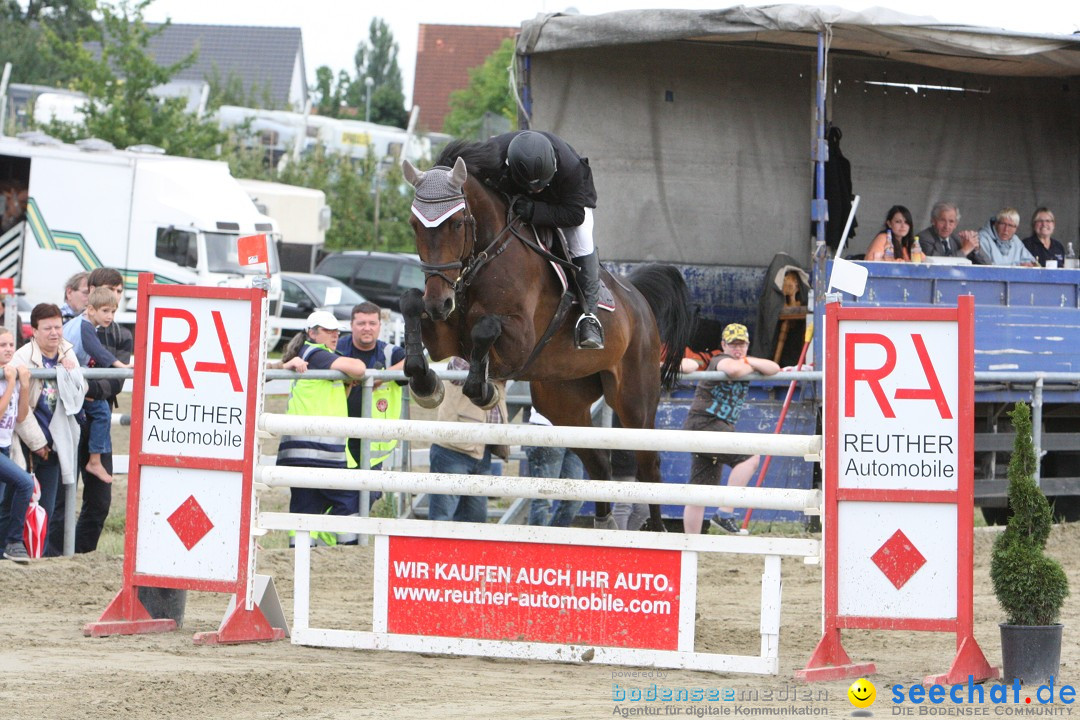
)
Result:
{"points": [[650, 526], [433, 400], [605, 523], [495, 397]]}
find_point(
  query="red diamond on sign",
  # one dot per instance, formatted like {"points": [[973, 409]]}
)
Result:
{"points": [[190, 522], [898, 559]]}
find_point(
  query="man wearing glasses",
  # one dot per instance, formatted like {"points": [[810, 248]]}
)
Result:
{"points": [[1042, 244], [999, 242]]}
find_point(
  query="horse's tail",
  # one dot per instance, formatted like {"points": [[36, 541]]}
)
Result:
{"points": [[665, 289]]}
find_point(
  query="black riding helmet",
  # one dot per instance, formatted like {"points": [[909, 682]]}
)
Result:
{"points": [[531, 159]]}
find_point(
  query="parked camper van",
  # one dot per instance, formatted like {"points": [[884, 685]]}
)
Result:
{"points": [[83, 206]]}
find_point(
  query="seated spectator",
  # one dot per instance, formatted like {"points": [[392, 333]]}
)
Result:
{"points": [[1042, 244], [999, 242], [942, 240], [893, 243]]}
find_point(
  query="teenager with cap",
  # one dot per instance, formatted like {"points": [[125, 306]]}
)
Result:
{"points": [[716, 406], [323, 398]]}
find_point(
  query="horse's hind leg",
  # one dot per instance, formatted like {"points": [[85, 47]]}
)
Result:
{"points": [[477, 388], [424, 385]]}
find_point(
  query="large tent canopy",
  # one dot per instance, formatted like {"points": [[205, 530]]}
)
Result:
{"points": [[700, 124]]}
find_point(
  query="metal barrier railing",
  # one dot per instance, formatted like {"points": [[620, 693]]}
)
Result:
{"points": [[1039, 382]]}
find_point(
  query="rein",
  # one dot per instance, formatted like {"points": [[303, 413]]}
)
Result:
{"points": [[471, 265]]}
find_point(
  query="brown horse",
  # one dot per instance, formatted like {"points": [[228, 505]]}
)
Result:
{"points": [[492, 297]]}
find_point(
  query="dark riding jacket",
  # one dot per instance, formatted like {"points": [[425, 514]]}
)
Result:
{"points": [[562, 203]]}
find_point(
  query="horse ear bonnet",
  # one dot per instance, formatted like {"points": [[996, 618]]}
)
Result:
{"points": [[437, 198], [531, 158]]}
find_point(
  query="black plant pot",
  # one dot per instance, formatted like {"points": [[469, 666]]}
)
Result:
{"points": [[164, 603], [1030, 653]]}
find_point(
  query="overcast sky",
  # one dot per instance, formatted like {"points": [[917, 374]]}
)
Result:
{"points": [[333, 28]]}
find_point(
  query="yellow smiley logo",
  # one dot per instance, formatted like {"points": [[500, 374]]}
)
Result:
{"points": [[862, 693]]}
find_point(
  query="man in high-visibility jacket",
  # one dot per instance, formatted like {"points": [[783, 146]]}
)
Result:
{"points": [[363, 343], [320, 398]]}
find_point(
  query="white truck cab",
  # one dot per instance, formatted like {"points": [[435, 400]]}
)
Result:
{"points": [[88, 205]]}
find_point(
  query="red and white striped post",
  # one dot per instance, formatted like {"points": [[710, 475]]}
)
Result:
{"points": [[899, 481]]}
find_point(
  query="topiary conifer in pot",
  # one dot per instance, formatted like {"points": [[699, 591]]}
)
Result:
{"points": [[1030, 587]]}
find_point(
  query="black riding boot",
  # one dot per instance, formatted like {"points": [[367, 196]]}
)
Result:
{"points": [[588, 333]]}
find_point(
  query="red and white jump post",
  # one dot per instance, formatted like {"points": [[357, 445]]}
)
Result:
{"points": [[899, 481], [199, 358]]}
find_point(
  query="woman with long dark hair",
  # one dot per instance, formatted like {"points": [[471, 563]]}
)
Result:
{"points": [[899, 233]]}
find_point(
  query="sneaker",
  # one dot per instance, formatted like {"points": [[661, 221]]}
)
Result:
{"points": [[724, 524], [16, 552]]}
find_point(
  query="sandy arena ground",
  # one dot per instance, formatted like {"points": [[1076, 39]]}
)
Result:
{"points": [[49, 670]]}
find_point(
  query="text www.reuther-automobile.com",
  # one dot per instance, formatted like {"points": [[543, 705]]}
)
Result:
{"points": [[537, 600]]}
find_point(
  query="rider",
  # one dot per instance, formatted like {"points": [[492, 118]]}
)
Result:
{"points": [[554, 188]]}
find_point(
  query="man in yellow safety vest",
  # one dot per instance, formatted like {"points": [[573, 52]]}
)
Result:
{"points": [[363, 343]]}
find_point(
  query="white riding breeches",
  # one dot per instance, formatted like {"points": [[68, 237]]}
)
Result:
{"points": [[579, 239]]}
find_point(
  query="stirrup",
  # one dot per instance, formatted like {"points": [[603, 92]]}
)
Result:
{"points": [[585, 343]]}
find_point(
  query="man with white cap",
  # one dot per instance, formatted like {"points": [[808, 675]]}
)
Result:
{"points": [[323, 398]]}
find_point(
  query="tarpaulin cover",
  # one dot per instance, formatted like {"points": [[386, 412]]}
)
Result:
{"points": [[699, 125]]}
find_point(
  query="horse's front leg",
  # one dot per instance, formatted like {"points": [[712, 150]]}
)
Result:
{"points": [[477, 388], [425, 386]]}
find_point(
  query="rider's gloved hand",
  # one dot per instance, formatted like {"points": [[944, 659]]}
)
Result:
{"points": [[523, 208]]}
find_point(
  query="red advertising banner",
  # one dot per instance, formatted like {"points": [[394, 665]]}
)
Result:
{"points": [[534, 592]]}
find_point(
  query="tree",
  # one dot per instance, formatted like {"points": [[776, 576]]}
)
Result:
{"points": [[230, 90], [118, 82], [488, 92], [22, 36], [1030, 587], [377, 59]]}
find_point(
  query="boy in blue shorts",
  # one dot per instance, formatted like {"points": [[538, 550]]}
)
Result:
{"points": [[81, 331]]}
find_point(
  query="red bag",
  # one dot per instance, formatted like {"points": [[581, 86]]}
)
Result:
{"points": [[36, 525]]}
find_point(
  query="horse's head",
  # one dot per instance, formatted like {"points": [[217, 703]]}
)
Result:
{"points": [[445, 232]]}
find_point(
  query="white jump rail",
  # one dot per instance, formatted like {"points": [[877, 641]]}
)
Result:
{"points": [[807, 447], [684, 657]]}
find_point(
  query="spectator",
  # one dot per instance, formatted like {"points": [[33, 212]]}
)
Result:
{"points": [[716, 406], [1042, 244], [50, 431], [76, 293], [894, 242], [326, 398], [942, 240], [464, 458], [81, 332], [552, 462], [363, 343], [17, 483], [97, 493], [999, 242]]}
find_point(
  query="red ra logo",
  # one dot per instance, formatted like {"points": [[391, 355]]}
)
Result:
{"points": [[177, 349], [873, 376]]}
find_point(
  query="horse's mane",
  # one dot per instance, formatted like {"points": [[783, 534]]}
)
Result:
{"points": [[482, 159]]}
